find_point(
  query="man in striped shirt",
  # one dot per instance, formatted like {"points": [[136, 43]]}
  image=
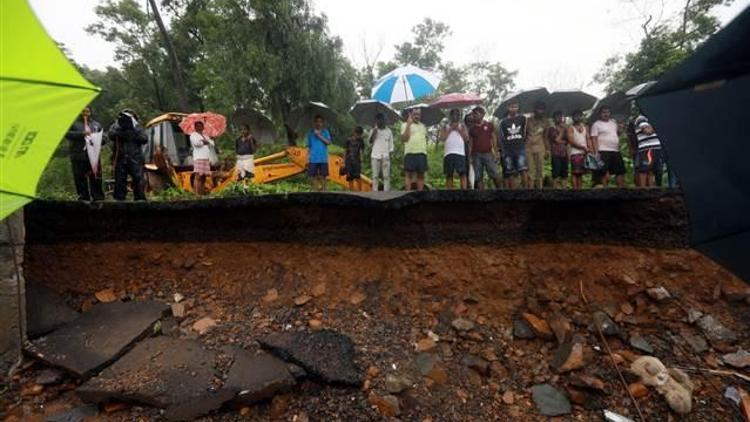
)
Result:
{"points": [[648, 160]]}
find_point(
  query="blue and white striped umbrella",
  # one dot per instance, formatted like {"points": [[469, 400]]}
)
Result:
{"points": [[404, 84]]}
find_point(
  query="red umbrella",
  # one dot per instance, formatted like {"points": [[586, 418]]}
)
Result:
{"points": [[214, 124], [457, 100]]}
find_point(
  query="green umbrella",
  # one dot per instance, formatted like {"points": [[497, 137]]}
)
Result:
{"points": [[41, 93]]}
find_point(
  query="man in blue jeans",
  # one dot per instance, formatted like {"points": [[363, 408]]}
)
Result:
{"points": [[513, 146], [318, 139]]}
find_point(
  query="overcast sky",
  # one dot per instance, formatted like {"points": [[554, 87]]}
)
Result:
{"points": [[552, 43]]}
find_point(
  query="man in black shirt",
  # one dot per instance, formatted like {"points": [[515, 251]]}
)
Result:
{"points": [[513, 145]]}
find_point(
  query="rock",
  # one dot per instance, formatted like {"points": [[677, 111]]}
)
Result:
{"points": [[640, 343], [32, 390], [561, 328], [508, 397], [424, 362], [47, 377], [326, 355], [204, 325], [693, 315], [388, 405], [395, 384], [568, 357], [628, 280], [46, 310], [257, 378], [302, 300], [178, 310], [489, 355], [462, 324], [425, 345], [98, 337], [696, 342], [163, 372], [735, 291], [522, 330], [610, 416], [577, 396], [476, 363], [638, 390], [715, 331], [539, 326], [550, 401], [606, 325], [357, 298], [78, 414], [315, 324], [587, 382], [627, 308], [113, 407], [739, 359], [272, 295], [106, 296], [438, 374], [671, 383], [319, 290], [659, 294], [189, 263], [178, 297]]}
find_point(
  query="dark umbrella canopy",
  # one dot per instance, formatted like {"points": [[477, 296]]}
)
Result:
{"points": [[301, 118], [618, 102], [430, 116], [639, 89], [526, 99], [364, 113], [700, 112], [261, 126], [569, 101]]}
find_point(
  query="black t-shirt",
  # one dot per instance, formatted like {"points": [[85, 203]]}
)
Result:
{"points": [[245, 147], [513, 132], [354, 147]]}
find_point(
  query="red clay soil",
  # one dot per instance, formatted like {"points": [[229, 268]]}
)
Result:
{"points": [[387, 299]]}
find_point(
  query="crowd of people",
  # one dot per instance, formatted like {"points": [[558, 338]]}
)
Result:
{"points": [[473, 147]]}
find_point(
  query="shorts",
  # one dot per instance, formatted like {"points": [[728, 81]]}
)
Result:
{"points": [[415, 163], [318, 170], [353, 169], [202, 167], [649, 161], [454, 163], [514, 162], [613, 163], [577, 164], [559, 167], [481, 162]]}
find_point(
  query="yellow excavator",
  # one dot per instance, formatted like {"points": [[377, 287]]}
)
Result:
{"points": [[169, 161]]}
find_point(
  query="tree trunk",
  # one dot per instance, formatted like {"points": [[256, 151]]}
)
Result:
{"points": [[182, 94]]}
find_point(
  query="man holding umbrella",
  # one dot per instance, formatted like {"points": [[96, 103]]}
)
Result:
{"points": [[414, 135], [201, 157]]}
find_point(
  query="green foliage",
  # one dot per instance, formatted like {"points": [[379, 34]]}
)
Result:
{"points": [[427, 47]]}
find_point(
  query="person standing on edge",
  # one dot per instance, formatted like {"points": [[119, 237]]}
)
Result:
{"points": [[578, 137], [201, 158], [483, 150], [88, 180], [245, 147], [513, 146], [318, 139], [381, 140], [455, 136], [128, 139], [648, 159], [355, 148], [536, 144], [414, 136], [605, 141], [558, 145]]}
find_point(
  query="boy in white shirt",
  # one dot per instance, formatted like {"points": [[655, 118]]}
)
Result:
{"points": [[381, 140]]}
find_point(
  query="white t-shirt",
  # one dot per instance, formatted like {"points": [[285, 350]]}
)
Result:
{"points": [[200, 151], [607, 135], [382, 146], [454, 143]]}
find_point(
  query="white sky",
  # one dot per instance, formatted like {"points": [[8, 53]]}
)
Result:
{"points": [[553, 43]]}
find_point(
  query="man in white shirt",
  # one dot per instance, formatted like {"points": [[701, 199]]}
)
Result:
{"points": [[455, 136], [201, 158], [381, 140], [605, 139]]}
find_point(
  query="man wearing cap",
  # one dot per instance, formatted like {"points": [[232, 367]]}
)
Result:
{"points": [[128, 139]]}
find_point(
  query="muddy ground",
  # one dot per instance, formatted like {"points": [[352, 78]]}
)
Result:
{"points": [[389, 298]]}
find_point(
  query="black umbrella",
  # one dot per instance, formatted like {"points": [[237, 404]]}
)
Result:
{"points": [[700, 112], [364, 112], [430, 116], [526, 99], [261, 126], [619, 104], [301, 118], [639, 89], [569, 101]]}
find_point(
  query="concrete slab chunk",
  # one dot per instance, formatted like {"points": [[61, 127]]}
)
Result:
{"points": [[46, 310], [326, 355], [97, 338], [163, 372], [257, 378]]}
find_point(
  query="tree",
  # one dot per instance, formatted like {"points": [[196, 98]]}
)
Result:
{"points": [[181, 88], [426, 49], [665, 44]]}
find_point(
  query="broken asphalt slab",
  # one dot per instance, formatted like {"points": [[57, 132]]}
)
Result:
{"points": [[46, 310], [164, 372], [97, 338], [257, 378], [325, 355]]}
